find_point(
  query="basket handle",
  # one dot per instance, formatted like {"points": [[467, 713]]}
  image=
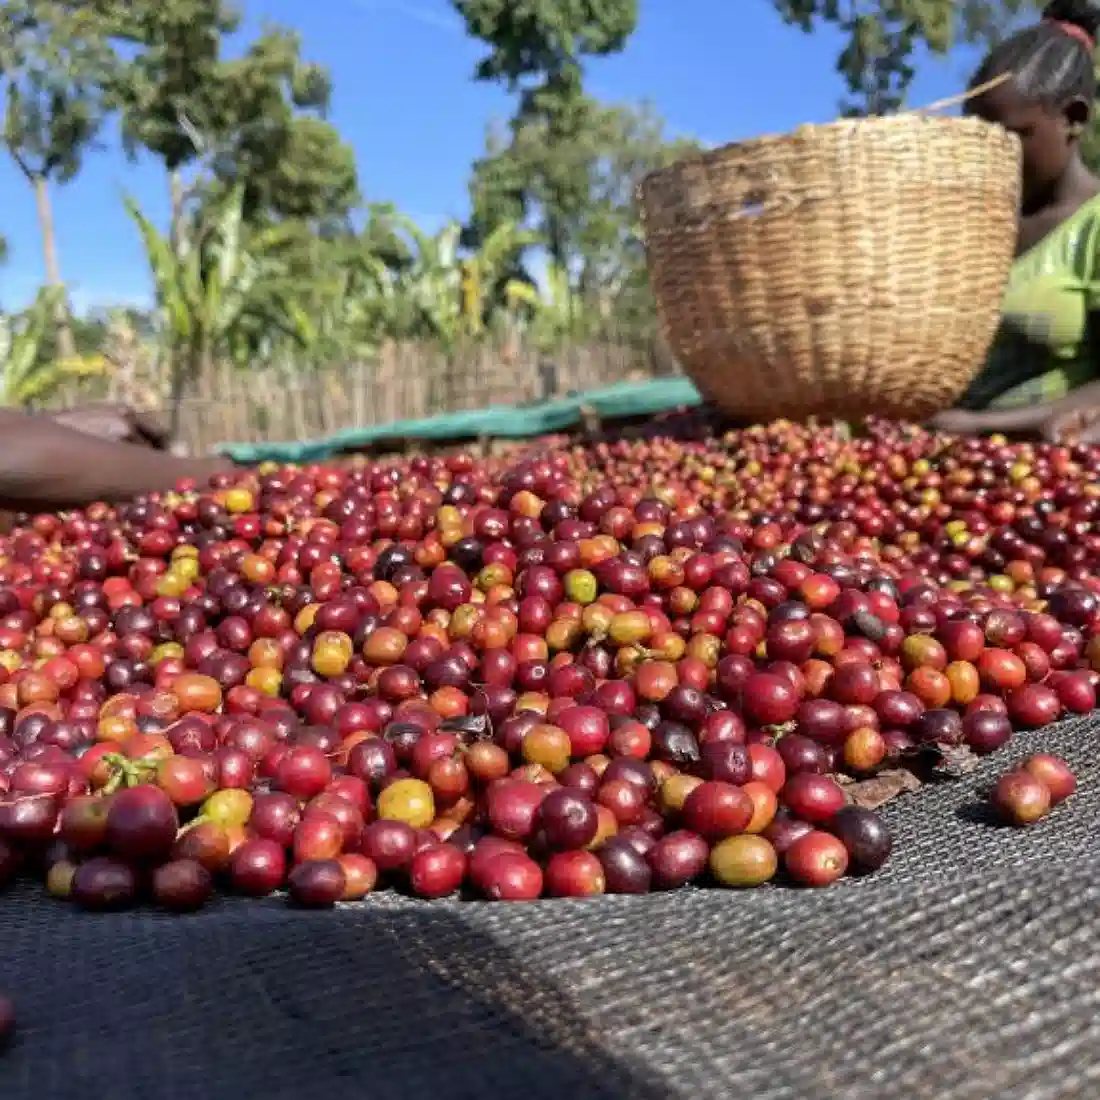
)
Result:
{"points": [[962, 97]]}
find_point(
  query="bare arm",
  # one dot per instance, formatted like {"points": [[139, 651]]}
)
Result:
{"points": [[1048, 419], [1031, 420], [45, 466]]}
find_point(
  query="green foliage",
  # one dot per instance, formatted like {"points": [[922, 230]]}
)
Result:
{"points": [[251, 121], [440, 291], [54, 65], [567, 165], [309, 173], [882, 36], [537, 47], [208, 281], [270, 255], [210, 287], [28, 373], [252, 294], [89, 337], [290, 164], [556, 312], [20, 339], [489, 280], [169, 85], [575, 182], [533, 38]]}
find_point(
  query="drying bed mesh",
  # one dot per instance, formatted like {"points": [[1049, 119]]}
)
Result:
{"points": [[968, 968]]}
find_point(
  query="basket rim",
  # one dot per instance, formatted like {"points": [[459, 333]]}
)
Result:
{"points": [[809, 129]]}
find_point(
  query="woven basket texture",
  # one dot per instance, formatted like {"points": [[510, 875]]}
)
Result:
{"points": [[839, 270], [968, 969]]}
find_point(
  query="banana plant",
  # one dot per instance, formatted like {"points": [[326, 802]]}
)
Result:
{"points": [[388, 303], [26, 377], [453, 296], [335, 323], [433, 284], [483, 281], [555, 312], [209, 285]]}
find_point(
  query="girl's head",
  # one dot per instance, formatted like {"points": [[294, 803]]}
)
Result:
{"points": [[1048, 101]]}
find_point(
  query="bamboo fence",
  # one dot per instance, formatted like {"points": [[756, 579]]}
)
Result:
{"points": [[404, 382]]}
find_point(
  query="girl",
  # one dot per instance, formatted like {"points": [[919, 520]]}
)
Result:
{"points": [[1043, 372]]}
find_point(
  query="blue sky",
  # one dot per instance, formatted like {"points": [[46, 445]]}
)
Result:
{"points": [[720, 70]]}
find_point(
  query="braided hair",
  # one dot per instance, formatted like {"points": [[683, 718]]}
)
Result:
{"points": [[1052, 61]]}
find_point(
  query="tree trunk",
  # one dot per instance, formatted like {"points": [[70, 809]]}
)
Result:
{"points": [[559, 255], [178, 374], [65, 344], [175, 187], [181, 367], [187, 367]]}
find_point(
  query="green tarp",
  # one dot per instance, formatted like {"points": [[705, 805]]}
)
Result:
{"points": [[626, 400]]}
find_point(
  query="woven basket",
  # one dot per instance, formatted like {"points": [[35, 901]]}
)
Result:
{"points": [[840, 270]]}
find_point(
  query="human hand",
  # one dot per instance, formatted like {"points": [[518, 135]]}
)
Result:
{"points": [[115, 422], [1078, 425], [119, 423]]}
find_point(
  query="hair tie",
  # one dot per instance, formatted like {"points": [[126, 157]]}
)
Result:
{"points": [[1074, 31]]}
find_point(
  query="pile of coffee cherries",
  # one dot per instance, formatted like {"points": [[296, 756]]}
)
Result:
{"points": [[562, 671]]}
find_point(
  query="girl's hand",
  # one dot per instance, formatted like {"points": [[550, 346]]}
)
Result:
{"points": [[1080, 425]]}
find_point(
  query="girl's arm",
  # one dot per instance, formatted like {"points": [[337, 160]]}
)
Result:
{"points": [[1033, 419], [46, 466], [1026, 421], [1078, 413]]}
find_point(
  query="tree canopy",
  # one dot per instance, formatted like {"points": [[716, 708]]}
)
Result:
{"points": [[882, 37], [545, 38]]}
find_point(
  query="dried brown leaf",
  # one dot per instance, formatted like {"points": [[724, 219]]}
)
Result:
{"points": [[872, 793], [957, 761]]}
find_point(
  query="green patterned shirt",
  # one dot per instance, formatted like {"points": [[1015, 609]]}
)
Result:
{"points": [[1043, 349]]}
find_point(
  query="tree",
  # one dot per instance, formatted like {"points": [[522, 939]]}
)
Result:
{"points": [[335, 321], [580, 195], [89, 336], [308, 174], [487, 281], [397, 282], [629, 143], [169, 90], [545, 39], [208, 286], [250, 121], [554, 315], [537, 49], [876, 62], [55, 63], [290, 162], [567, 165], [883, 35], [380, 236]]}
